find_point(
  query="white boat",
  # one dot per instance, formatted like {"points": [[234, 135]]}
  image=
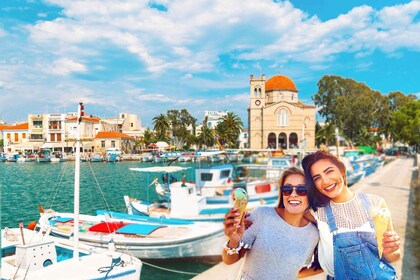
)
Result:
{"points": [[38, 255], [58, 157], [26, 159], [113, 155], [141, 238], [43, 257], [147, 157], [2, 158], [43, 156], [96, 158], [13, 157]]}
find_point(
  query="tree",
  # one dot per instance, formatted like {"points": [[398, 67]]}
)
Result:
{"points": [[405, 123], [161, 126], [354, 108], [205, 137], [148, 137], [179, 123], [325, 134], [229, 130]]}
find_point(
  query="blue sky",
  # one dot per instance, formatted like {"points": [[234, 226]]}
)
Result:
{"points": [[146, 57]]}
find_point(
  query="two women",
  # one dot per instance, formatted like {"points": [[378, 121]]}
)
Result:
{"points": [[347, 246], [280, 241]]}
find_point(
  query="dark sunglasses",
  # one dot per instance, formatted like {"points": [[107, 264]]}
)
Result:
{"points": [[287, 190]]}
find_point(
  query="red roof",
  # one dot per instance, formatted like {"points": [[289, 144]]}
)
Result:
{"points": [[280, 83], [112, 134], [22, 126]]}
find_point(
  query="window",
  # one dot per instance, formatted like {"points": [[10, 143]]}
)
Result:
{"points": [[8, 136], [23, 135], [52, 137], [16, 137], [206, 177], [132, 124], [224, 174], [283, 118], [113, 144], [102, 144]]}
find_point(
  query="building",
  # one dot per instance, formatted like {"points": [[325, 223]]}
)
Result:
{"points": [[276, 117], [113, 139], [214, 117], [15, 137]]}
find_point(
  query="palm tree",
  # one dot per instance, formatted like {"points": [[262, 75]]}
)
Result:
{"points": [[161, 126], [206, 136], [231, 127]]}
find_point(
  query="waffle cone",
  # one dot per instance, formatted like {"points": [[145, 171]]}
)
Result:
{"points": [[241, 205], [381, 218]]}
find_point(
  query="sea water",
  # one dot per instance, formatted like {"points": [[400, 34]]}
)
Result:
{"points": [[24, 186]]}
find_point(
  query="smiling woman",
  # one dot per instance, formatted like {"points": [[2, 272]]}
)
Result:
{"points": [[346, 223], [275, 233]]}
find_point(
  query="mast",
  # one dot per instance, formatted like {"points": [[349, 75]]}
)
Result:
{"points": [[80, 113]]}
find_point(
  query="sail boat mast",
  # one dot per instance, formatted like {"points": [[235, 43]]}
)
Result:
{"points": [[80, 113]]}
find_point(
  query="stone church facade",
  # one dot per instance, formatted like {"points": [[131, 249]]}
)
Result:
{"points": [[276, 117]]}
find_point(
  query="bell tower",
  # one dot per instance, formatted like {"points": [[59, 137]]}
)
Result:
{"points": [[256, 108]]}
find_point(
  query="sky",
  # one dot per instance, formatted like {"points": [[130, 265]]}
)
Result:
{"points": [[147, 57]]}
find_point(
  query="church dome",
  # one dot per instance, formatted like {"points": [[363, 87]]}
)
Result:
{"points": [[280, 83]]}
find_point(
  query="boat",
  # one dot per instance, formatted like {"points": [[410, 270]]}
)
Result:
{"points": [[144, 239], [96, 158], [26, 158], [113, 155], [39, 255], [44, 155], [29, 254], [2, 158], [12, 157], [58, 157], [147, 157]]}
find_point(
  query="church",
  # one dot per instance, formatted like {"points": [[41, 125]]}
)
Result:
{"points": [[276, 117]]}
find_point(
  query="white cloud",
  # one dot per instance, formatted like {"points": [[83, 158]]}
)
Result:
{"points": [[66, 66], [193, 33]]}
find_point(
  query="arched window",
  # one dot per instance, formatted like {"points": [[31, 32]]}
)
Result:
{"points": [[258, 122], [293, 141], [271, 141], [257, 92], [283, 117], [282, 141]]}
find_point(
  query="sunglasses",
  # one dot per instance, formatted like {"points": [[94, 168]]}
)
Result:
{"points": [[287, 190]]}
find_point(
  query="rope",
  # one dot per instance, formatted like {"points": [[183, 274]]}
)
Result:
{"points": [[170, 270], [58, 186], [99, 187]]}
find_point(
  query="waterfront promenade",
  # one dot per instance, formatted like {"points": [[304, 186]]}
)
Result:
{"points": [[393, 183]]}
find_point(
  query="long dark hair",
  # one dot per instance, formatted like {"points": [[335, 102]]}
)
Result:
{"points": [[286, 173], [316, 199]]}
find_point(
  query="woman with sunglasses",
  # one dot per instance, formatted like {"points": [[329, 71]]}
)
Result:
{"points": [[280, 241], [347, 246]]}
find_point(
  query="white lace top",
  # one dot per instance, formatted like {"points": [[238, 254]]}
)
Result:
{"points": [[349, 216]]}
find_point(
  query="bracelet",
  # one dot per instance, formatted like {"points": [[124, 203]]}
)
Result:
{"points": [[232, 251]]}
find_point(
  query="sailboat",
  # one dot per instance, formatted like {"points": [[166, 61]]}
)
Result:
{"points": [[36, 254]]}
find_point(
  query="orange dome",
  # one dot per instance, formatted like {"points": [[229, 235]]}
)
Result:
{"points": [[280, 83]]}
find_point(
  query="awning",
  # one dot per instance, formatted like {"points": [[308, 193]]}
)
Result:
{"points": [[27, 146], [52, 145]]}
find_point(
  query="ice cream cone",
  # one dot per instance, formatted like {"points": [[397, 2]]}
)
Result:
{"points": [[381, 218], [241, 200]]}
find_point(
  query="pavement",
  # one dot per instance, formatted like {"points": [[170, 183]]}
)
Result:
{"points": [[393, 183]]}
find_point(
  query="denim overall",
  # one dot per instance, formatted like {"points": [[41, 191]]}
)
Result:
{"points": [[356, 253]]}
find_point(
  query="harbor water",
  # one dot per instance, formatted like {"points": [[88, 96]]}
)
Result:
{"points": [[102, 186]]}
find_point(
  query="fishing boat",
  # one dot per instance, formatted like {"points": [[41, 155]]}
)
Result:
{"points": [[28, 254], [145, 239], [44, 155], [12, 157], [96, 158], [39, 255], [113, 155], [58, 157], [2, 158]]}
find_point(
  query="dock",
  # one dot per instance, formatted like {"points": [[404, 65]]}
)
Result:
{"points": [[393, 183]]}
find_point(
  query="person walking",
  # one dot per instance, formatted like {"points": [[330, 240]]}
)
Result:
{"points": [[280, 242], [347, 247]]}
